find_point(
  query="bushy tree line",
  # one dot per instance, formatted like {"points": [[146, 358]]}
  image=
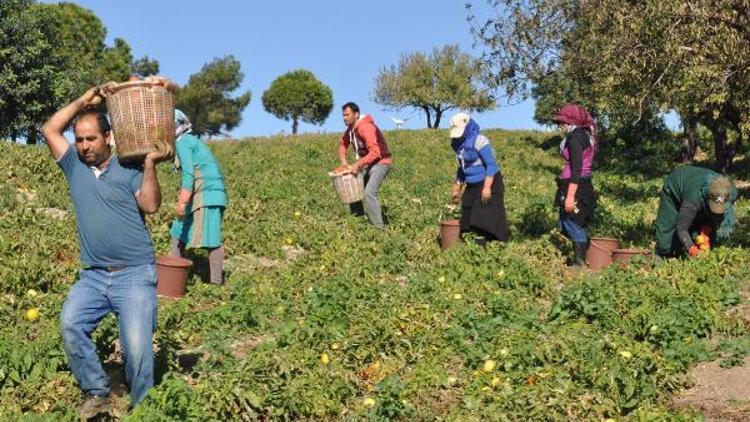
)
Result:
{"points": [[628, 61], [51, 53]]}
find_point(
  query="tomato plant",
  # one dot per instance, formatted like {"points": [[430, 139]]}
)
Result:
{"points": [[408, 331]]}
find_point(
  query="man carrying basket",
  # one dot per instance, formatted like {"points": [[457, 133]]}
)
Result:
{"points": [[117, 256], [373, 158]]}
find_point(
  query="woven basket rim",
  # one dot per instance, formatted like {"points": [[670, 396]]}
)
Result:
{"points": [[334, 175], [135, 84]]}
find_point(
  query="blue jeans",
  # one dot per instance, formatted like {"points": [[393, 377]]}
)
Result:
{"points": [[130, 294], [571, 230]]}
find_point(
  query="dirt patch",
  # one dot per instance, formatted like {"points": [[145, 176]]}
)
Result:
{"points": [[25, 195], [744, 292], [248, 263], [240, 348], [66, 257], [292, 253], [438, 402], [741, 313], [54, 213], [722, 394], [114, 365]]}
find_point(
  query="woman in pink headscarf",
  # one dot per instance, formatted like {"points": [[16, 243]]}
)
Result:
{"points": [[575, 192]]}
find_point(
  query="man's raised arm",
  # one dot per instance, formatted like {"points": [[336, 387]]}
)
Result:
{"points": [[56, 125]]}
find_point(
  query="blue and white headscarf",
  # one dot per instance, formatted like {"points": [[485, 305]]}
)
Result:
{"points": [[467, 142]]}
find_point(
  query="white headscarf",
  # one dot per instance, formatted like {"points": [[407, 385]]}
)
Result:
{"points": [[182, 126]]}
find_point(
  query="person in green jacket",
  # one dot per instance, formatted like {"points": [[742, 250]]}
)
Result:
{"points": [[201, 201], [696, 211]]}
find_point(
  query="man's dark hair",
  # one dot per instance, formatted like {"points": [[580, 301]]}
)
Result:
{"points": [[351, 106], [101, 119]]}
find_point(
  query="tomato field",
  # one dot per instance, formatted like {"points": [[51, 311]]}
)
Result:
{"points": [[325, 317]]}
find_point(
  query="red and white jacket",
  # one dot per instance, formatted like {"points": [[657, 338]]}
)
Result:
{"points": [[369, 143]]}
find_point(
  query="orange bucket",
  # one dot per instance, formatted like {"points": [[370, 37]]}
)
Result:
{"points": [[450, 233], [624, 256], [599, 254], [171, 274]]}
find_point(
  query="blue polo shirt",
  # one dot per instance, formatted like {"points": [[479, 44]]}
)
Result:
{"points": [[111, 228]]}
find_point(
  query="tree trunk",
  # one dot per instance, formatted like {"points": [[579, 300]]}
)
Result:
{"points": [[31, 136], [689, 139], [429, 117], [720, 142], [733, 116], [295, 124], [438, 115], [737, 146]]}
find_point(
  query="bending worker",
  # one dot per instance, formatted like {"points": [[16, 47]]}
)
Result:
{"points": [[373, 159], [696, 211], [482, 205], [202, 200]]}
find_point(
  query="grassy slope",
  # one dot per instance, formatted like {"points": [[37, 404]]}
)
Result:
{"points": [[401, 321]]}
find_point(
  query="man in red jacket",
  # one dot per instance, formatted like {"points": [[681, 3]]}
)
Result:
{"points": [[373, 157]]}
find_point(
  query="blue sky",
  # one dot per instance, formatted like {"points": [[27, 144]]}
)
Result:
{"points": [[344, 43]]}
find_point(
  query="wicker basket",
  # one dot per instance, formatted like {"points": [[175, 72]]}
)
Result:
{"points": [[349, 188], [142, 117]]}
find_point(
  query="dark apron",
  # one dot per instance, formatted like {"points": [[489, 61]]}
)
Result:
{"points": [[489, 219], [585, 201]]}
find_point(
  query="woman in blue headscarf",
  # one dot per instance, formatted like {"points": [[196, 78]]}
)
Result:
{"points": [[482, 206], [202, 199]]}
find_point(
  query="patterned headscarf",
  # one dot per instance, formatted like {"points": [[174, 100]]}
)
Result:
{"points": [[182, 126], [575, 115]]}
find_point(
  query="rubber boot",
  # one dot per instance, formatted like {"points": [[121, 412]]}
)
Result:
{"points": [[579, 248], [216, 265]]}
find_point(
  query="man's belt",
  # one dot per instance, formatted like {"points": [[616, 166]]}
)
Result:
{"points": [[110, 269]]}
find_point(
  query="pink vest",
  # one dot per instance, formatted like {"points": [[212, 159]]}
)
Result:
{"points": [[588, 160]]}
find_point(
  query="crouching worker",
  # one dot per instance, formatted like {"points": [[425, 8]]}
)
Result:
{"points": [[482, 205], [201, 201], [696, 211], [117, 256]]}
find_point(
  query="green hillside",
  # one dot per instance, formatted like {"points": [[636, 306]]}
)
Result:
{"points": [[503, 333]]}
